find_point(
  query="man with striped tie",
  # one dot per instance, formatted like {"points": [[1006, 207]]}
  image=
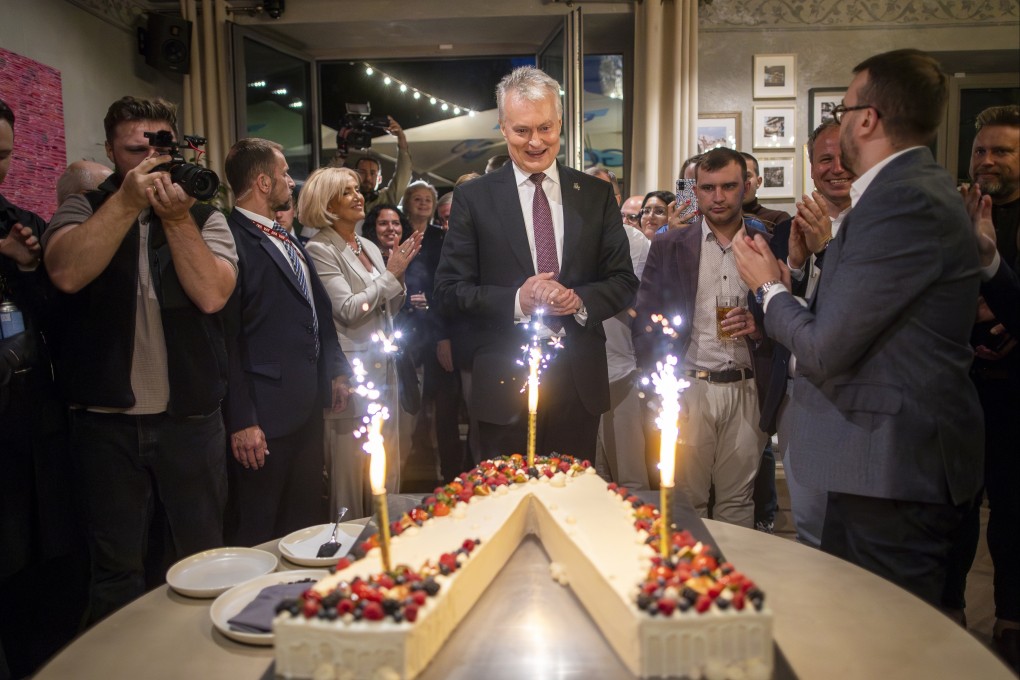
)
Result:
{"points": [[285, 363]]}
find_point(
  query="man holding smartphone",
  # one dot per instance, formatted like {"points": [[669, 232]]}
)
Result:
{"points": [[686, 271]]}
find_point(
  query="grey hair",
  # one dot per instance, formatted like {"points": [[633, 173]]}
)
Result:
{"points": [[418, 185], [531, 84]]}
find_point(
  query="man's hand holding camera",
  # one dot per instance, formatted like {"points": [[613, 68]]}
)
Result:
{"points": [[169, 200]]}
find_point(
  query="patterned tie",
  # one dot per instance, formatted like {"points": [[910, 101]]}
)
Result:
{"points": [[545, 237], [292, 255]]}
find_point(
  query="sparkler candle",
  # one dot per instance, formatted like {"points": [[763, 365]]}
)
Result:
{"points": [[534, 361], [377, 477], [668, 387]]}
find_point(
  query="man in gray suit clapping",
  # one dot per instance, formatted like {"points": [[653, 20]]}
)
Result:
{"points": [[882, 408]]}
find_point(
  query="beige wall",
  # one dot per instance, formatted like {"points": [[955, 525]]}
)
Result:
{"points": [[825, 57], [98, 63]]}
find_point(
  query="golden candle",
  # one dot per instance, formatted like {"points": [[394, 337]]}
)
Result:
{"points": [[377, 478], [534, 360]]}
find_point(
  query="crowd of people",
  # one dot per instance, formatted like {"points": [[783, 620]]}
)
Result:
{"points": [[188, 378]]}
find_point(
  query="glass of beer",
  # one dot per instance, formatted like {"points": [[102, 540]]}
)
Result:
{"points": [[723, 305]]}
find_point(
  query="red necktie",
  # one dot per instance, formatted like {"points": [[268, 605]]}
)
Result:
{"points": [[545, 237]]}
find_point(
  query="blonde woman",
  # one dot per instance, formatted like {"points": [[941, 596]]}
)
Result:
{"points": [[365, 293]]}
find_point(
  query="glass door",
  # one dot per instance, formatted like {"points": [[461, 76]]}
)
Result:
{"points": [[276, 97], [562, 58]]}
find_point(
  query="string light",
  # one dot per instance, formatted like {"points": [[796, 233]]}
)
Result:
{"points": [[416, 93]]}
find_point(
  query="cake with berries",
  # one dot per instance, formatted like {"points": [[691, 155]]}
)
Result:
{"points": [[688, 615]]}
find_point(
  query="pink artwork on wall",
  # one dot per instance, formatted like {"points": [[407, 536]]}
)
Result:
{"points": [[32, 90]]}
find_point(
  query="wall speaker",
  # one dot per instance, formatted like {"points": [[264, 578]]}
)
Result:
{"points": [[166, 43]]}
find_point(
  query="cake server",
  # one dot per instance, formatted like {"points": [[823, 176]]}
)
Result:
{"points": [[329, 548]]}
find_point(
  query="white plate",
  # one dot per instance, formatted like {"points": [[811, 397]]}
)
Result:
{"points": [[301, 546], [209, 573], [229, 604]]}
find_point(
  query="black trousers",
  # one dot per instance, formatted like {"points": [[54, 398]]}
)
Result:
{"points": [[906, 542], [564, 425], [126, 464], [284, 495]]}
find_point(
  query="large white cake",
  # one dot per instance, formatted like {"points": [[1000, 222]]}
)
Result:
{"points": [[691, 617]]}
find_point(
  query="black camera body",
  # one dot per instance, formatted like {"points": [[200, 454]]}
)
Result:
{"points": [[198, 182], [358, 126]]}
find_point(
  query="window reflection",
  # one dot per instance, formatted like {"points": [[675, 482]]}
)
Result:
{"points": [[278, 103]]}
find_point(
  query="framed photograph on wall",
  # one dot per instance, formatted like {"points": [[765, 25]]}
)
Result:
{"points": [[774, 76], [809, 184], [774, 127], [776, 177], [822, 101], [718, 129]]}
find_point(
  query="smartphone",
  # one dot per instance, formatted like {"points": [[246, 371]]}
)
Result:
{"points": [[684, 193], [756, 226]]}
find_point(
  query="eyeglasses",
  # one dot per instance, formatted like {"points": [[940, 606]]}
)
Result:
{"points": [[839, 111], [633, 217], [653, 211]]}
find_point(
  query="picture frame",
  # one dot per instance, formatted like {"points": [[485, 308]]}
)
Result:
{"points": [[808, 184], [777, 175], [774, 127], [718, 129], [775, 76], [822, 100]]}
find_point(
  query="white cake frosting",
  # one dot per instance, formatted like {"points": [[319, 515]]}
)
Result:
{"points": [[589, 533]]}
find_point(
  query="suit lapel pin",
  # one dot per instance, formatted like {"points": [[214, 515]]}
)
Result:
{"points": [[577, 187]]}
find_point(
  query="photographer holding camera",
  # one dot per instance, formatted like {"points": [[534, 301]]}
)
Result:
{"points": [[370, 171], [144, 269]]}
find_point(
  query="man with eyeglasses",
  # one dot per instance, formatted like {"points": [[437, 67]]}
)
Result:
{"points": [[883, 413]]}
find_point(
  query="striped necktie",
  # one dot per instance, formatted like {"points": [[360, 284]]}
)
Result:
{"points": [[295, 264]]}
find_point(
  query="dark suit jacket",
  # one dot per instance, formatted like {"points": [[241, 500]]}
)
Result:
{"points": [[1002, 293], [669, 286], [485, 260], [882, 405], [775, 392], [275, 381]]}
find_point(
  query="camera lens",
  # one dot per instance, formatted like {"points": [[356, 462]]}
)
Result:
{"points": [[196, 181]]}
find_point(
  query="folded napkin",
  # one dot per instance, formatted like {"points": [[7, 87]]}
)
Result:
{"points": [[258, 616]]}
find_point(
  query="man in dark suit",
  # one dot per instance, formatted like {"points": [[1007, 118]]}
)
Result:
{"points": [[994, 202], [536, 236], [284, 358], [883, 414]]}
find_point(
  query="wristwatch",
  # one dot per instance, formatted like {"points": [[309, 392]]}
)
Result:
{"points": [[763, 289]]}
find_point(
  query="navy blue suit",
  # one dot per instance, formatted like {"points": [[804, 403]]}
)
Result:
{"points": [[277, 382]]}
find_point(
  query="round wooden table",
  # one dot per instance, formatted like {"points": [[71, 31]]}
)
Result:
{"points": [[832, 620]]}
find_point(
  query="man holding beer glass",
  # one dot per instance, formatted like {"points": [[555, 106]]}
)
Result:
{"points": [[691, 274]]}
